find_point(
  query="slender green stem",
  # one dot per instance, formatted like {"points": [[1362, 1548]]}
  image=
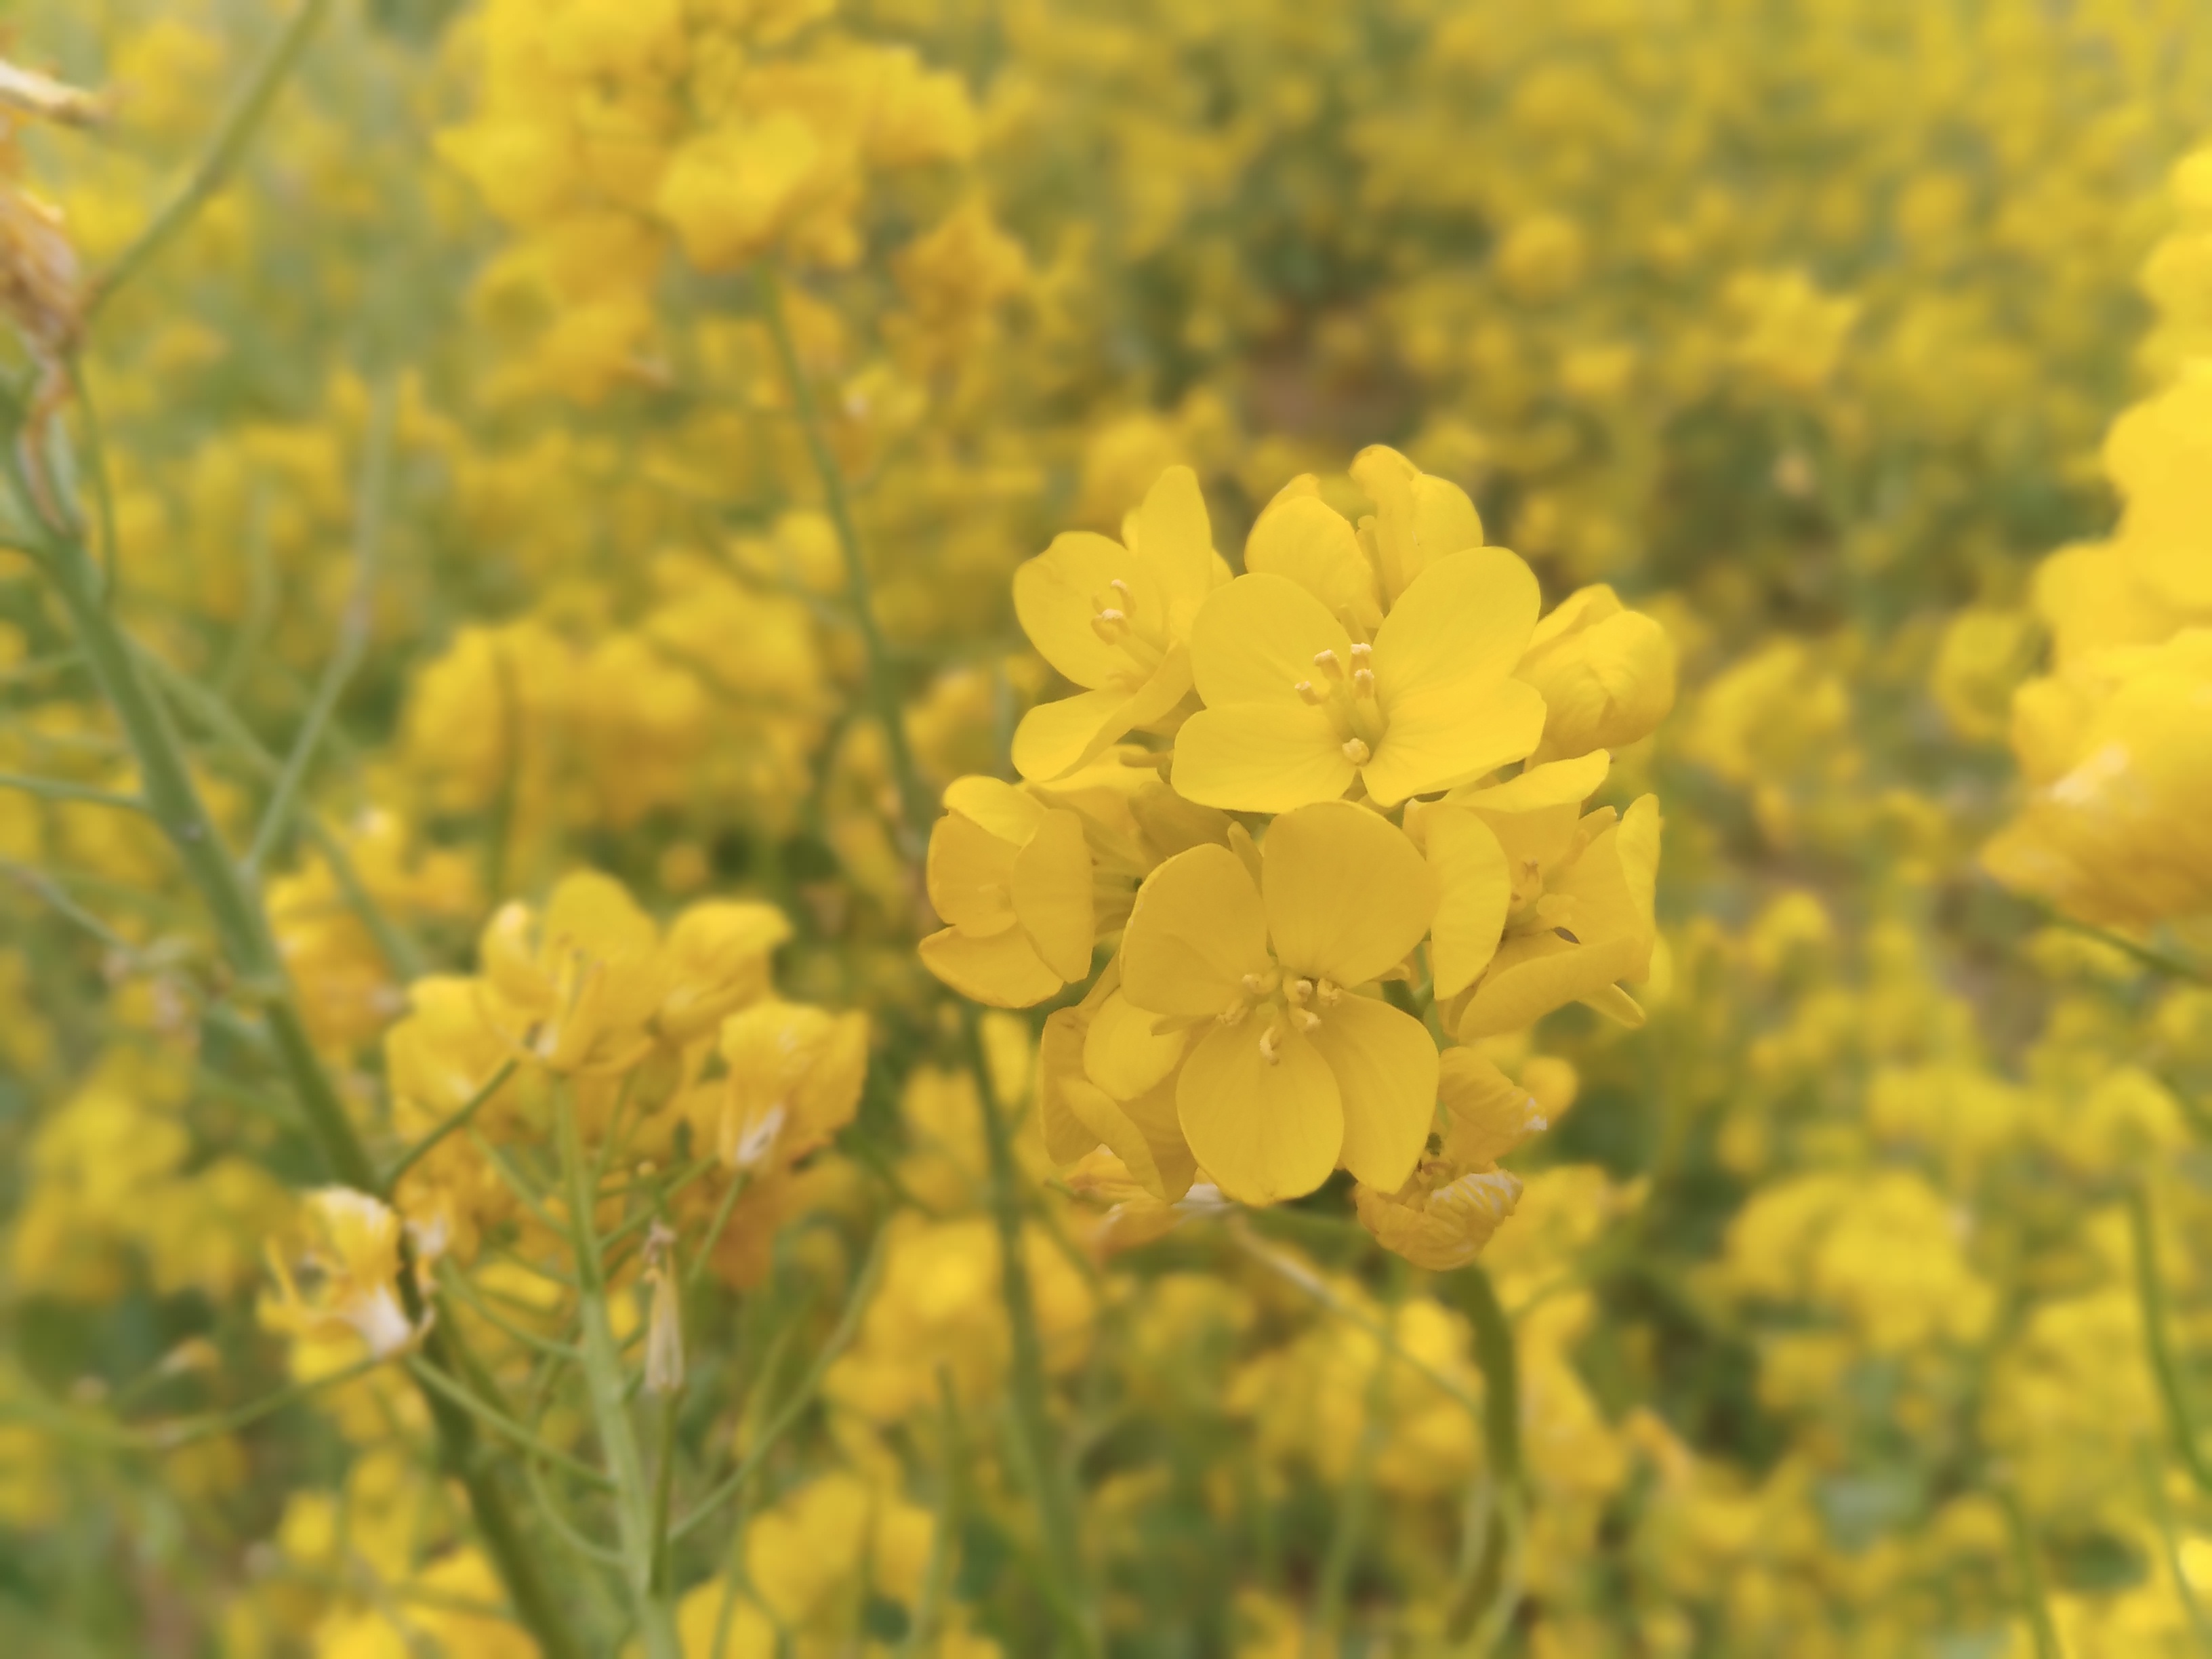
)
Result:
{"points": [[2161, 1513], [221, 158], [882, 691], [856, 1304], [1488, 1595], [460, 1119], [2033, 1601], [723, 1209], [61, 789], [438, 1382], [399, 948], [607, 1385], [353, 630], [95, 460], [1032, 1420], [1349, 1528], [456, 1284], [2150, 1293], [183, 1432]]}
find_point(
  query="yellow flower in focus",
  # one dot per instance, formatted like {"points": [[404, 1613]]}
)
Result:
{"points": [[1450, 1207], [1296, 1070], [1012, 879], [1606, 673], [794, 1080], [352, 1260], [1116, 618], [1297, 709], [1540, 905]]}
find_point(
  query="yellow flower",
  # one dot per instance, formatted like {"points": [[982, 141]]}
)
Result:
{"points": [[1606, 673], [1012, 879], [718, 958], [576, 989], [730, 192], [794, 1080], [1540, 904], [1297, 709], [2116, 751], [1116, 618], [1450, 1207], [353, 1254], [1295, 1070], [1104, 1079]]}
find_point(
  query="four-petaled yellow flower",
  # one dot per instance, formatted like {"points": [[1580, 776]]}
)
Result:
{"points": [[1297, 709], [1296, 1070], [1012, 879], [1116, 618]]}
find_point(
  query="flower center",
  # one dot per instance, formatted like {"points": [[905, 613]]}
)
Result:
{"points": [[1348, 695], [1282, 1003], [1114, 619]]}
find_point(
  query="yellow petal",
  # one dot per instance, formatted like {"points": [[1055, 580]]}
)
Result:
{"points": [[1555, 783], [1056, 595], [595, 914], [1009, 813], [1259, 758], [1487, 1113], [1122, 1055], [1068, 1135], [1144, 1134], [1305, 539], [1003, 970], [1265, 1130], [1347, 895], [1534, 974], [1256, 639], [1197, 928], [1175, 541], [1467, 618], [1052, 894], [969, 874], [1385, 1066], [1444, 520], [1055, 738], [1473, 892], [1450, 733]]}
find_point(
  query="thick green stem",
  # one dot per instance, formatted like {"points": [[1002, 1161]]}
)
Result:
{"points": [[607, 1384], [174, 800], [2150, 1292], [1061, 1556]]}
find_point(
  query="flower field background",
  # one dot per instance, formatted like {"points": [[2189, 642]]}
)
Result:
{"points": [[1090, 826]]}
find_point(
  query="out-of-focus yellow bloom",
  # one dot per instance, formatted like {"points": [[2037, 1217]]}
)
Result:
{"points": [[1454, 1201], [1012, 879], [1116, 618], [351, 1254], [576, 989], [794, 1080], [1296, 1070], [2117, 752]]}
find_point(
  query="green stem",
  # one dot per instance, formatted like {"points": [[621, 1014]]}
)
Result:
{"points": [[1039, 1469], [2033, 1601], [883, 691], [439, 1384], [2150, 1292], [353, 633], [460, 1119], [1353, 1503], [220, 159], [607, 1385], [61, 789], [2161, 1513], [1488, 1595], [241, 929], [183, 1432], [856, 1304]]}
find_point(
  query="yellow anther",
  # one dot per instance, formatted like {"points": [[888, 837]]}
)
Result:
{"points": [[1271, 1045], [1327, 662], [1363, 682], [1299, 992], [1122, 588], [1305, 1019], [1357, 751], [1328, 993], [1111, 624], [1235, 1013], [1261, 985], [1360, 654], [1305, 689]]}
